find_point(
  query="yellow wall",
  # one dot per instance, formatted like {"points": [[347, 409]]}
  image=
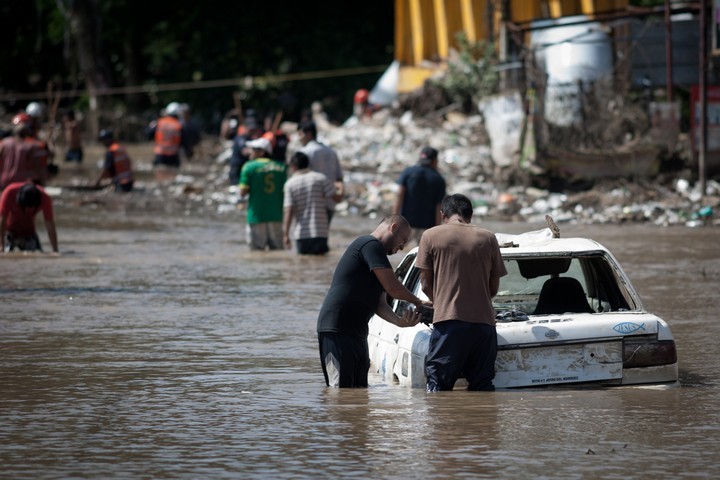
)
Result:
{"points": [[425, 29]]}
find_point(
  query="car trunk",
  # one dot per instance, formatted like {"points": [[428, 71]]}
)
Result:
{"points": [[568, 348]]}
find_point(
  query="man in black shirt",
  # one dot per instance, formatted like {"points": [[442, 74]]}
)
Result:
{"points": [[421, 188], [358, 290]]}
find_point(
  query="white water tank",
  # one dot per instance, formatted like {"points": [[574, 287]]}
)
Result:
{"points": [[570, 52]]}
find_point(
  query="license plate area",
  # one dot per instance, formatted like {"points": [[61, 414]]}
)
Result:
{"points": [[556, 364]]}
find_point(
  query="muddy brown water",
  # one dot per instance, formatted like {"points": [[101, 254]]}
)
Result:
{"points": [[157, 346]]}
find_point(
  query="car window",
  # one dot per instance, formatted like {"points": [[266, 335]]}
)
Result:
{"points": [[401, 272], [402, 269], [596, 288]]}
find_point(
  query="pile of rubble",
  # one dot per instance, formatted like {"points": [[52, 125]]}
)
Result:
{"points": [[374, 151]]}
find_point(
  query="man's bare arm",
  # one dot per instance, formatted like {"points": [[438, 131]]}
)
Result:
{"points": [[427, 280], [385, 312], [393, 287], [287, 221], [3, 222], [52, 234]]}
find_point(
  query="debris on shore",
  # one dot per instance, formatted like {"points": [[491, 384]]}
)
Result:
{"points": [[374, 152]]}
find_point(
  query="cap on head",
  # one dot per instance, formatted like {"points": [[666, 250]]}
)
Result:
{"points": [[21, 118], [428, 155], [260, 144], [361, 96], [22, 124]]}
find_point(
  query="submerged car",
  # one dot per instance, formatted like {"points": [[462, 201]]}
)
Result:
{"points": [[566, 314]]}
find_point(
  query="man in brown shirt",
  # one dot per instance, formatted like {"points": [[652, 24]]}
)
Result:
{"points": [[460, 268]]}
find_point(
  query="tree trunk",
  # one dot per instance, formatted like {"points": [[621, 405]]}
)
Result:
{"points": [[132, 74], [85, 25]]}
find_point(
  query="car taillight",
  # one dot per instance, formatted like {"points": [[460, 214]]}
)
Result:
{"points": [[646, 352]]}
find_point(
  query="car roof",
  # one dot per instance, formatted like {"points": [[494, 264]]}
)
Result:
{"points": [[543, 242], [554, 246]]}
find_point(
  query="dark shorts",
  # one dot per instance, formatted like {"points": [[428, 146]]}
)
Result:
{"points": [[460, 349], [312, 246], [345, 360], [74, 155], [167, 160], [30, 243], [124, 187]]}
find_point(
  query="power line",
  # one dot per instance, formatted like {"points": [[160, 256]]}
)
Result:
{"points": [[244, 82]]}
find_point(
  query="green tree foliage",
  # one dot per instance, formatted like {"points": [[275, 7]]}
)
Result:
{"points": [[158, 43], [471, 72]]}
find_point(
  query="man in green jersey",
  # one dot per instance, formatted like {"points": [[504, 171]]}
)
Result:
{"points": [[263, 179]]}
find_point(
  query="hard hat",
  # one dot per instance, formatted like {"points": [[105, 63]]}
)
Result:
{"points": [[105, 134], [21, 118], [173, 109], [34, 109], [361, 96]]}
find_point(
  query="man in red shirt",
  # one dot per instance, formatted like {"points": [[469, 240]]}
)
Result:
{"points": [[19, 204], [22, 157]]}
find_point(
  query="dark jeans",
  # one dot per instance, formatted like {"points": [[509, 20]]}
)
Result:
{"points": [[312, 246], [167, 160], [460, 348], [236, 165], [74, 155], [124, 187], [345, 360]]}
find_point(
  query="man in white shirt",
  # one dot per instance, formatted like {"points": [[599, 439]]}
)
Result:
{"points": [[323, 159]]}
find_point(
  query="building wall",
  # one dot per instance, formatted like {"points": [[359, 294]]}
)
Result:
{"points": [[425, 30]]}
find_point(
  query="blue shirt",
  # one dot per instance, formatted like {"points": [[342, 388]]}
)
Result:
{"points": [[424, 190]]}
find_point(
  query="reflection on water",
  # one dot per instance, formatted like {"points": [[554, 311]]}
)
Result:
{"points": [[161, 347]]}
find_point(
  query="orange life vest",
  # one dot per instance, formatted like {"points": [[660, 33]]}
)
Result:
{"points": [[167, 136], [123, 166]]}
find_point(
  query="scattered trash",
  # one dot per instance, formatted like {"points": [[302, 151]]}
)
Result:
{"points": [[374, 152]]}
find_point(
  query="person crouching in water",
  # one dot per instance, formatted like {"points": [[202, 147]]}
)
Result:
{"points": [[117, 165], [19, 203]]}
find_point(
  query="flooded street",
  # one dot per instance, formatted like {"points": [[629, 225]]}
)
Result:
{"points": [[158, 346]]}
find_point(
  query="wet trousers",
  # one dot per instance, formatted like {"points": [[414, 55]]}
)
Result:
{"points": [[345, 360], [459, 349]]}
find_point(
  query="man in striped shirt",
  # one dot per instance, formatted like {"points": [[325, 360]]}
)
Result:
{"points": [[305, 199], [323, 159]]}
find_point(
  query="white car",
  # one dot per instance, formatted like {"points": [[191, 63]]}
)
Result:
{"points": [[566, 314]]}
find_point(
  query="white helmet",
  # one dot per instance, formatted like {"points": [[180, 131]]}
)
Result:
{"points": [[173, 109], [35, 110]]}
